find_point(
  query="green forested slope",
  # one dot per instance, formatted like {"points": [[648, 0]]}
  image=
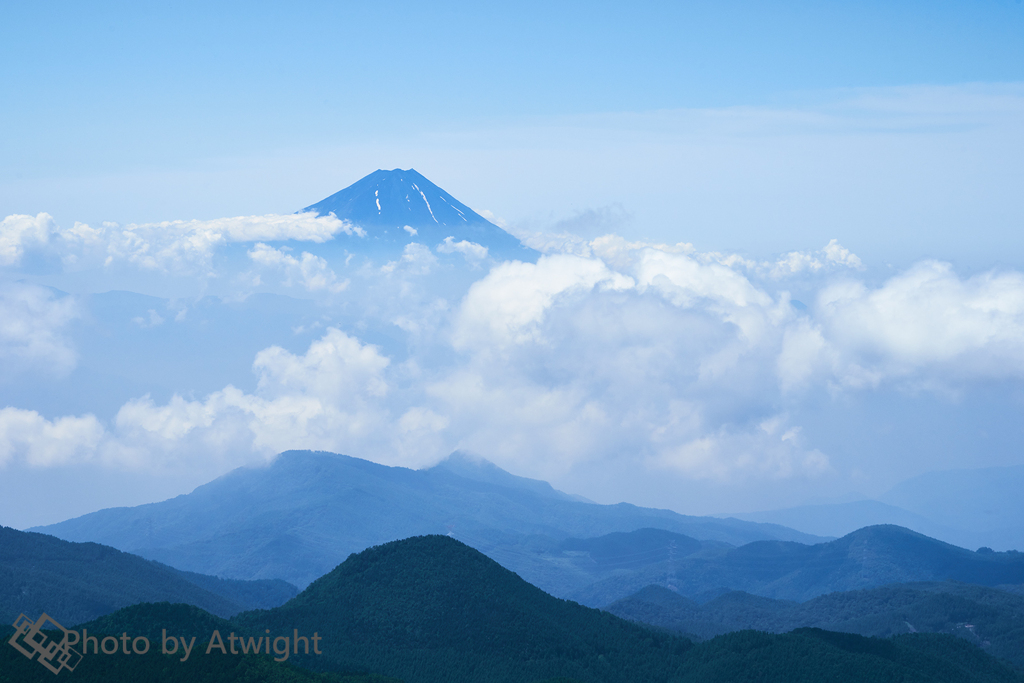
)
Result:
{"points": [[74, 582], [157, 668], [816, 656], [430, 608]]}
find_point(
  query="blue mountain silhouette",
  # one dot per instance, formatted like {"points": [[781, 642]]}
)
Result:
{"points": [[398, 207]]}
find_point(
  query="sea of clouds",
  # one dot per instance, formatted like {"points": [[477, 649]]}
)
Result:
{"points": [[605, 353]]}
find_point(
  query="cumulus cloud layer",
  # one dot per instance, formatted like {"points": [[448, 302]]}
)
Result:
{"points": [[332, 397], [926, 325], [605, 351], [45, 443]]}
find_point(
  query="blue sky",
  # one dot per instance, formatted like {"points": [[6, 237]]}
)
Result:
{"points": [[863, 159], [134, 113]]}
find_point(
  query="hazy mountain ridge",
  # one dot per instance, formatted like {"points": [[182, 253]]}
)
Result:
{"points": [[990, 618], [75, 582], [619, 565], [869, 557], [305, 513], [308, 511], [967, 507], [986, 501]]}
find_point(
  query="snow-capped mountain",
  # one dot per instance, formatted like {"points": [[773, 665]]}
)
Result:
{"points": [[398, 207]]}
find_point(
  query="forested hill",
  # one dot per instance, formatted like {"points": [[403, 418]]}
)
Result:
{"points": [[432, 604], [74, 582]]}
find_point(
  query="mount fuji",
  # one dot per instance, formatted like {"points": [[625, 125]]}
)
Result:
{"points": [[398, 207]]}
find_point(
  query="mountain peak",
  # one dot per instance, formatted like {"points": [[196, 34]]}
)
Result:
{"points": [[399, 206], [395, 199], [476, 468]]}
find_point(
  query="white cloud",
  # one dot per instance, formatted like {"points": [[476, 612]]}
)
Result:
{"points": [[332, 397], [471, 250], [837, 253], [19, 233], [684, 280], [804, 352], [312, 272], [673, 360], [497, 220], [33, 322], [154, 319], [329, 398], [663, 359], [336, 367], [416, 259], [831, 256], [303, 227], [422, 420], [179, 247], [761, 452], [506, 306], [926, 321], [555, 243], [26, 435], [567, 235], [188, 246]]}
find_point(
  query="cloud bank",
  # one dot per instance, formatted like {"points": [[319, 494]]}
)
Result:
{"points": [[605, 353], [184, 247]]}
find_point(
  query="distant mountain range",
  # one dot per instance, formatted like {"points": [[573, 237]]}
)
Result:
{"points": [[987, 617], [431, 609], [986, 502], [970, 508], [301, 516], [298, 518], [601, 570], [398, 207], [79, 581], [869, 557]]}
